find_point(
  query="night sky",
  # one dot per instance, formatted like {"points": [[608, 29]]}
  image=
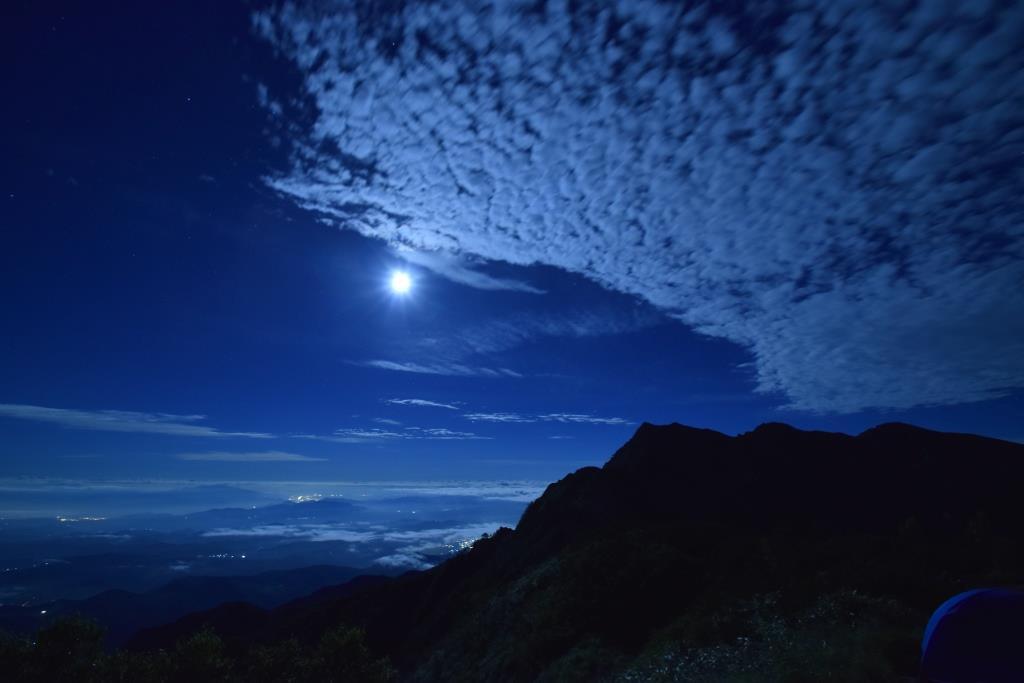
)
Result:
{"points": [[609, 214]]}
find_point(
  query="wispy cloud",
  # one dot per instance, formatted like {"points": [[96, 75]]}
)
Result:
{"points": [[578, 418], [513, 331], [442, 434], [121, 421], [462, 353], [523, 491], [498, 417], [374, 434], [336, 438], [367, 434], [263, 456], [423, 403], [565, 418], [387, 421], [448, 369], [469, 351], [460, 269]]}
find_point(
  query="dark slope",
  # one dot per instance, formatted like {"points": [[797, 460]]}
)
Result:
{"points": [[122, 613], [688, 542]]}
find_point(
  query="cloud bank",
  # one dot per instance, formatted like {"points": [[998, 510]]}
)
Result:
{"points": [[415, 548], [833, 186]]}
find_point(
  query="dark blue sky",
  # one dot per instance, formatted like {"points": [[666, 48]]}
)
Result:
{"points": [[201, 212]]}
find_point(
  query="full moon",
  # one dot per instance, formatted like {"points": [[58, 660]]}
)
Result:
{"points": [[401, 283]]}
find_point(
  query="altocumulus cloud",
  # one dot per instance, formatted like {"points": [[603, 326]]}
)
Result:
{"points": [[833, 185]]}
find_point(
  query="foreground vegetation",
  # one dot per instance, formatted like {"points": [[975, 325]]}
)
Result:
{"points": [[71, 649]]}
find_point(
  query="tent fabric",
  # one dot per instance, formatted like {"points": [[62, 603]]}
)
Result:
{"points": [[975, 637]]}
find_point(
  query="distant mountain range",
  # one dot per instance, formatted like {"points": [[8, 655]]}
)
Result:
{"points": [[778, 554]]}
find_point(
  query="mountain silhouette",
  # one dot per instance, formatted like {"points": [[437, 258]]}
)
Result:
{"points": [[693, 555]]}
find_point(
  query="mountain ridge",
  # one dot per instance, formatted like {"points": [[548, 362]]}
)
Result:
{"points": [[682, 526]]}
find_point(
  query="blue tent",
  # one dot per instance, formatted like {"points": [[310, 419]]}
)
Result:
{"points": [[976, 637]]}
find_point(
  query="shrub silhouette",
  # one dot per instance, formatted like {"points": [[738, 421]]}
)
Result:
{"points": [[71, 650]]}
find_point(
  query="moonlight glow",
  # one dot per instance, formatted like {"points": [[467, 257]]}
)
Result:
{"points": [[400, 282]]}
